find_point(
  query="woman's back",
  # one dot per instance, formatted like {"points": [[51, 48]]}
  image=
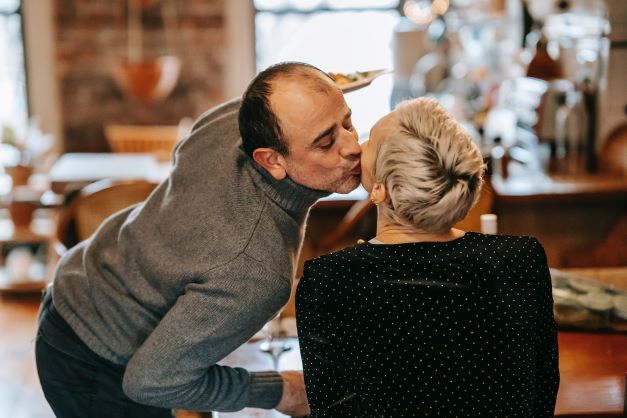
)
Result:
{"points": [[454, 329]]}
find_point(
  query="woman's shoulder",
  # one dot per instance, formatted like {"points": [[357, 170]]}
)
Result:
{"points": [[510, 242], [327, 277], [511, 254], [335, 259]]}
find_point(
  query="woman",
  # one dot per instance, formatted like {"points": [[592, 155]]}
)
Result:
{"points": [[426, 320]]}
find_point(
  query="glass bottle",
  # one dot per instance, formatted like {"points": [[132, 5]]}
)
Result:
{"points": [[561, 132], [488, 223]]}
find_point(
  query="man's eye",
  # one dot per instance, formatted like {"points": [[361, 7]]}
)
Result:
{"points": [[349, 127], [327, 145]]}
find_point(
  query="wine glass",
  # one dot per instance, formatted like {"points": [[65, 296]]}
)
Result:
{"points": [[275, 343]]}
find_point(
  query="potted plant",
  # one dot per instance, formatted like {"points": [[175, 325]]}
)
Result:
{"points": [[22, 153]]}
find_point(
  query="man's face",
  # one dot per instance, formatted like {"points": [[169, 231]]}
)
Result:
{"points": [[322, 142]]}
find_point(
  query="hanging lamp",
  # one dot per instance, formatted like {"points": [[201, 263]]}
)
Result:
{"points": [[148, 78]]}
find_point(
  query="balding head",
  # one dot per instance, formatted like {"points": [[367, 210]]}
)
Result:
{"points": [[259, 125]]}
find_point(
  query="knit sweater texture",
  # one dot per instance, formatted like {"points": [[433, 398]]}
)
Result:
{"points": [[172, 285]]}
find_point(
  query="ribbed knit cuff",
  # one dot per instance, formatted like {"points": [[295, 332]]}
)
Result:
{"points": [[266, 389]]}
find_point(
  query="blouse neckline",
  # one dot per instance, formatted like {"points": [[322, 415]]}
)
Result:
{"points": [[378, 243]]}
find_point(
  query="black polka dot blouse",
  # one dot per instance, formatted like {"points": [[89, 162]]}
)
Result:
{"points": [[462, 328]]}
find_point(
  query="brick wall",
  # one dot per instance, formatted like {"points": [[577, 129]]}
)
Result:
{"points": [[92, 38]]}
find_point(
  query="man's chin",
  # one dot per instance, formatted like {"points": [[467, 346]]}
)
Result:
{"points": [[342, 187], [349, 185]]}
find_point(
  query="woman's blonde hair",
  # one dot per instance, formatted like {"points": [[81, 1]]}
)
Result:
{"points": [[432, 170]]}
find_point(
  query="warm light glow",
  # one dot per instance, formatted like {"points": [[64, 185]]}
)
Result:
{"points": [[439, 7], [419, 11]]}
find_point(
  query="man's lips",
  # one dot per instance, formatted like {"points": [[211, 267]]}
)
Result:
{"points": [[356, 169]]}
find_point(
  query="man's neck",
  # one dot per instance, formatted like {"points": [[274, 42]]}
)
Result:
{"points": [[288, 194]]}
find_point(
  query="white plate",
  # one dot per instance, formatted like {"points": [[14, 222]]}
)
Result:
{"points": [[356, 85]]}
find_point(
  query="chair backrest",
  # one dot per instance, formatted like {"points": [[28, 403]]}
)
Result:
{"points": [[158, 140], [485, 204], [91, 205], [613, 154]]}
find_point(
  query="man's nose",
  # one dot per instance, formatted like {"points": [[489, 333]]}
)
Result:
{"points": [[350, 145]]}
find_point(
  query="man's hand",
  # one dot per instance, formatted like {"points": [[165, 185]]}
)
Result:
{"points": [[294, 399]]}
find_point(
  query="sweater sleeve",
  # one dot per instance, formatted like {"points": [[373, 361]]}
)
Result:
{"points": [[547, 367], [176, 367], [329, 388]]}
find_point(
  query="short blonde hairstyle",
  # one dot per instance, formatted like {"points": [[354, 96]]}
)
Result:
{"points": [[432, 170]]}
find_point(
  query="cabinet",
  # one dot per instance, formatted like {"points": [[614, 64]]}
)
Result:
{"points": [[26, 256]]}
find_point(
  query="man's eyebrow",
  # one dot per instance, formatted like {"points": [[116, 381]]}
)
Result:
{"points": [[321, 136], [326, 132]]}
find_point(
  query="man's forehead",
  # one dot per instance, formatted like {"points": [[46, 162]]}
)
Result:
{"points": [[307, 77], [294, 87], [295, 101]]}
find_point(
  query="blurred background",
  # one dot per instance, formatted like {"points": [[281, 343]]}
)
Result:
{"points": [[96, 93], [74, 65]]}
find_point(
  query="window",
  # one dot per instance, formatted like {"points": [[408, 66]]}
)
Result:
{"points": [[13, 106], [336, 36]]}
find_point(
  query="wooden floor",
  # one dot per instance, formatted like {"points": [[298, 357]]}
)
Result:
{"points": [[20, 394]]}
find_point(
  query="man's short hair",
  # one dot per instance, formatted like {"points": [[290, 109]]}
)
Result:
{"points": [[431, 168], [259, 127]]}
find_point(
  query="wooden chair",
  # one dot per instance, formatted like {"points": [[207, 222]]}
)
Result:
{"points": [[613, 154], [353, 217], [86, 209], [158, 140], [362, 209], [612, 250], [485, 204]]}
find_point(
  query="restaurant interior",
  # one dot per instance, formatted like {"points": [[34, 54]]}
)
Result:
{"points": [[97, 93]]}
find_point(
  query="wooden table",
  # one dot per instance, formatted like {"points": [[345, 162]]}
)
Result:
{"points": [[75, 170], [559, 188], [593, 366]]}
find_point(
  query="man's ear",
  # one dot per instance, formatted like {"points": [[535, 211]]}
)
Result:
{"points": [[272, 161], [379, 194]]}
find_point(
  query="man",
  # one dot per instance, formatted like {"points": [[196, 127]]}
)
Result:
{"points": [[141, 312]]}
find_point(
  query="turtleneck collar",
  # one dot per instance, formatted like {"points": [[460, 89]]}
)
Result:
{"points": [[286, 193]]}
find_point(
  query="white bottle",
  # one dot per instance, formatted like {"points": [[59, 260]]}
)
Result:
{"points": [[488, 223]]}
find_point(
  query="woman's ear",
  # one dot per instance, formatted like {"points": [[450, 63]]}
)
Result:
{"points": [[379, 194], [272, 161]]}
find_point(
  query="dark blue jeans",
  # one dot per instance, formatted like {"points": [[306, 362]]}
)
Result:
{"points": [[76, 381]]}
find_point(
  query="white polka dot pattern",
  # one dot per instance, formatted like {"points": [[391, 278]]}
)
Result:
{"points": [[462, 328]]}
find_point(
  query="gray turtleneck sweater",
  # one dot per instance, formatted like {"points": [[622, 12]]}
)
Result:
{"points": [[169, 287]]}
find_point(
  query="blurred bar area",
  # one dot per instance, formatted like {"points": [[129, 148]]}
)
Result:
{"points": [[541, 87]]}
